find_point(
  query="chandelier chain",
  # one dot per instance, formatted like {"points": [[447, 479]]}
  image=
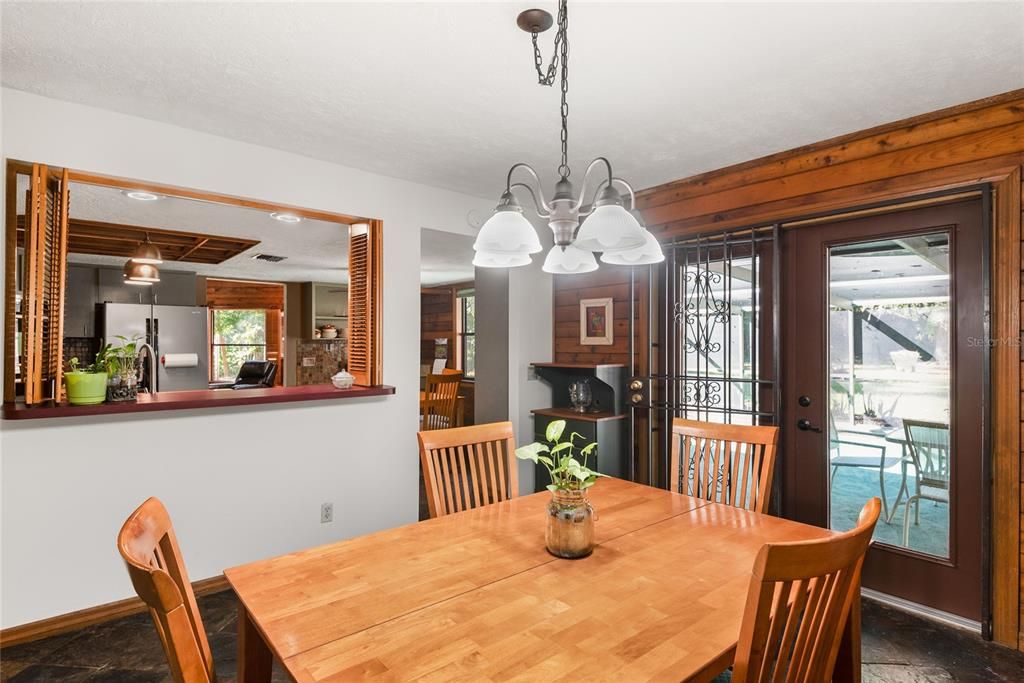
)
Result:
{"points": [[560, 56]]}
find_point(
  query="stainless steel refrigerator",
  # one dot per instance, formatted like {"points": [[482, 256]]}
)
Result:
{"points": [[169, 330]]}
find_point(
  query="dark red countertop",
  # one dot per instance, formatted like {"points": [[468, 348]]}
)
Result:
{"points": [[202, 398]]}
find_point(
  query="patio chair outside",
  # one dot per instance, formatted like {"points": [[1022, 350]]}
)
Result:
{"points": [[879, 461], [928, 446]]}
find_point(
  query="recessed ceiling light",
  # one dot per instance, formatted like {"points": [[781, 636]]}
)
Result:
{"points": [[286, 217], [141, 196]]}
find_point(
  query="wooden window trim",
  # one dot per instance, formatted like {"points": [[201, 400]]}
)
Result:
{"points": [[14, 167]]}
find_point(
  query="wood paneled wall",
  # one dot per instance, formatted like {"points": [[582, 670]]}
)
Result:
{"points": [[979, 142], [437, 321], [608, 281], [244, 294]]}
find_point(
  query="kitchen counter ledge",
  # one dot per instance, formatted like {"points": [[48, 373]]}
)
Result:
{"points": [[190, 400]]}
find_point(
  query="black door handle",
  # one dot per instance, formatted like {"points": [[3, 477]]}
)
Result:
{"points": [[804, 425]]}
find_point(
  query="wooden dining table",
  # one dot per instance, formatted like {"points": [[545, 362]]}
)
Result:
{"points": [[475, 596]]}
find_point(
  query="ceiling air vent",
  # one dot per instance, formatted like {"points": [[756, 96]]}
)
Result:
{"points": [[269, 258]]}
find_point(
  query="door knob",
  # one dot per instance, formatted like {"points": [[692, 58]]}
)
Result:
{"points": [[804, 425]]}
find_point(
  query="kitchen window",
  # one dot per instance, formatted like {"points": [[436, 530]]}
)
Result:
{"points": [[467, 333], [236, 335]]}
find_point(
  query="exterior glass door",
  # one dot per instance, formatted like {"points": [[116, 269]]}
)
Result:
{"points": [[884, 393], [889, 387]]}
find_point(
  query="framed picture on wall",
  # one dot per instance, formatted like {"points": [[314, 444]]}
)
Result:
{"points": [[596, 322]]}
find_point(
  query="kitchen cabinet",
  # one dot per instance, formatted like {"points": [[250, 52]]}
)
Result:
{"points": [[324, 303], [174, 289], [604, 423], [81, 295]]}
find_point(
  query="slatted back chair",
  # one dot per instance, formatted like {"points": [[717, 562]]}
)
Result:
{"points": [[438, 407], [731, 464], [798, 603], [468, 467], [150, 550], [928, 444]]}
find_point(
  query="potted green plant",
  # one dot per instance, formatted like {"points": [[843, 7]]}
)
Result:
{"points": [[85, 385], [570, 521], [121, 361]]}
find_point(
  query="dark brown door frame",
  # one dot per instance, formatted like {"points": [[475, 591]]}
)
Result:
{"points": [[789, 417]]}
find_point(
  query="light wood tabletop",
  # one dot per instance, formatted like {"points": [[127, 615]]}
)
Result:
{"points": [[475, 596]]}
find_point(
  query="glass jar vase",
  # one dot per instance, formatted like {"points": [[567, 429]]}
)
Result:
{"points": [[570, 531]]}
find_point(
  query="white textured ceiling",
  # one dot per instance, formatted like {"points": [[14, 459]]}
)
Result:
{"points": [[314, 251], [445, 257], [445, 94]]}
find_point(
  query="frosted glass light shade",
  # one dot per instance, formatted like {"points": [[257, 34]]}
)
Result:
{"points": [[610, 228], [491, 259], [569, 262], [507, 232], [648, 252]]}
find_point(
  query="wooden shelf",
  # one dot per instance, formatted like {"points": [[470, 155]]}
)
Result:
{"points": [[570, 414], [189, 400], [579, 366]]}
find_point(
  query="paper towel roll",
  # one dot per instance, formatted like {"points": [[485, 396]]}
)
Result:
{"points": [[180, 360]]}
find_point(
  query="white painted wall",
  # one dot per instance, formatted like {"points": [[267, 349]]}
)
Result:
{"points": [[530, 337], [241, 483]]}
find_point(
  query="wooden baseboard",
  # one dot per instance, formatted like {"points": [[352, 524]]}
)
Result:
{"points": [[44, 628]]}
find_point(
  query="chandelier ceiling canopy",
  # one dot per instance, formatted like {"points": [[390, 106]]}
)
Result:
{"points": [[603, 225]]}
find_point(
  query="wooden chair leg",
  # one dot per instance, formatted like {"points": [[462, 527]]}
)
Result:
{"points": [[847, 669]]}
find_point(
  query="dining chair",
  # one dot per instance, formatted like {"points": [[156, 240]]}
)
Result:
{"points": [[928, 446], [798, 603], [877, 458], [438, 407], [149, 547], [731, 464], [467, 467]]}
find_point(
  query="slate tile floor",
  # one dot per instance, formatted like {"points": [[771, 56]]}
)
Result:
{"points": [[898, 648]]}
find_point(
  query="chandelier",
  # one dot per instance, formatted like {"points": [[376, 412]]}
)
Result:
{"points": [[580, 229]]}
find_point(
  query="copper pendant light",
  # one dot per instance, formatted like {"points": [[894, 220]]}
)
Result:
{"points": [[147, 253], [142, 274]]}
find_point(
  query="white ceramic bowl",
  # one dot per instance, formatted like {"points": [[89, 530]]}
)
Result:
{"points": [[343, 380]]}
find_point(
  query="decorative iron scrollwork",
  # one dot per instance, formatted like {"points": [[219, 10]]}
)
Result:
{"points": [[703, 311], [703, 393]]}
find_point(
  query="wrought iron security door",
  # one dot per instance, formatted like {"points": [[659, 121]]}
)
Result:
{"points": [[714, 317]]}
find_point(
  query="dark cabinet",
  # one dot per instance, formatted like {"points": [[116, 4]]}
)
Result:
{"points": [[81, 294], [604, 424], [113, 290], [174, 289]]}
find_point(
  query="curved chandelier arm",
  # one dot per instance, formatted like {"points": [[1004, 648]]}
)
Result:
{"points": [[589, 209], [620, 181], [538, 201], [586, 175], [538, 196]]}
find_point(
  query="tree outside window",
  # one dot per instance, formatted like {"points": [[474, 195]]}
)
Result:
{"points": [[238, 335]]}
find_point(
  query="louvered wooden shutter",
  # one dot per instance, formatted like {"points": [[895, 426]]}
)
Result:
{"points": [[365, 305], [42, 306]]}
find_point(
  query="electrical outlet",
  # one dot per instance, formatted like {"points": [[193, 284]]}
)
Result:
{"points": [[308, 361], [326, 513]]}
